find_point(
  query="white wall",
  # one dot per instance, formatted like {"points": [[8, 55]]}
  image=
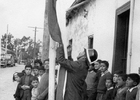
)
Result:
{"points": [[100, 22], [136, 38]]}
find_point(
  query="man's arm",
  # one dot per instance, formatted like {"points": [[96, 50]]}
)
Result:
{"points": [[67, 64], [43, 94]]}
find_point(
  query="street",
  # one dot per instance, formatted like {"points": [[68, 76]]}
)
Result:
{"points": [[7, 86]]}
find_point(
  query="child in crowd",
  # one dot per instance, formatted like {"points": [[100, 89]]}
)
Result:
{"points": [[38, 63], [115, 79], [35, 83], [105, 74], [110, 88], [41, 72], [131, 83], [25, 83], [17, 77], [121, 91], [36, 71], [91, 83]]}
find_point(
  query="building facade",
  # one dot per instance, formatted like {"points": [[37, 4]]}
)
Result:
{"points": [[109, 26]]}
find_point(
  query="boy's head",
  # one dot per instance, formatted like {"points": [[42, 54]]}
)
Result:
{"points": [[46, 64], [17, 76], [28, 69], [41, 70], [38, 63], [104, 66], [35, 82], [116, 75], [109, 82], [132, 80], [121, 81], [97, 64], [36, 70]]}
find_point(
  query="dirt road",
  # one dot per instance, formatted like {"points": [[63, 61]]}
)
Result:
{"points": [[7, 86]]}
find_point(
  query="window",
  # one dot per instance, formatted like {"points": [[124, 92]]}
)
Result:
{"points": [[90, 42]]}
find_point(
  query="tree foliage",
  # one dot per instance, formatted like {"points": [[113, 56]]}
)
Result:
{"points": [[24, 47]]}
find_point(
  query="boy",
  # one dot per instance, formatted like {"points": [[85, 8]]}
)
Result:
{"points": [[91, 83], [35, 83], [131, 83], [115, 79], [110, 88], [41, 72], [25, 84], [36, 71], [121, 91], [43, 85], [101, 88]]}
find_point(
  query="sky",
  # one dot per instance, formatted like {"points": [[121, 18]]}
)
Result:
{"points": [[18, 15]]}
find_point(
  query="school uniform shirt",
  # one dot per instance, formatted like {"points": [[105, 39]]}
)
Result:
{"points": [[131, 93], [108, 94], [76, 75], [101, 88], [121, 93], [138, 93], [91, 81], [34, 94]]}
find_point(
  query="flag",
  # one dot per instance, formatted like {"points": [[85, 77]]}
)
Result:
{"points": [[55, 33], [54, 29]]}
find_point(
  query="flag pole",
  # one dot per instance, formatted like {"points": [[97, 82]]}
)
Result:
{"points": [[52, 56]]}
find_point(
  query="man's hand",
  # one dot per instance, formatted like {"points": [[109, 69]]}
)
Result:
{"points": [[24, 87], [58, 45]]}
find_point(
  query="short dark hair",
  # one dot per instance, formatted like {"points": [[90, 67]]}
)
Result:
{"points": [[34, 78], [118, 72], [28, 66], [110, 78], [135, 77], [99, 61], [19, 74], [42, 68], [46, 60], [38, 61], [106, 63], [123, 76], [35, 67]]}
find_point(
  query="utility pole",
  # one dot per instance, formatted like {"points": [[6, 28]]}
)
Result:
{"points": [[6, 42], [35, 29]]}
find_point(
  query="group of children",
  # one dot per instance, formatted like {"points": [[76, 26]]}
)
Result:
{"points": [[107, 86], [101, 84], [28, 81]]}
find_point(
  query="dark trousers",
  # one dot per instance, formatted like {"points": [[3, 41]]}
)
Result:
{"points": [[91, 95], [99, 96], [26, 95]]}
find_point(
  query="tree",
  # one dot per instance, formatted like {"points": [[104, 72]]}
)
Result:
{"points": [[7, 38]]}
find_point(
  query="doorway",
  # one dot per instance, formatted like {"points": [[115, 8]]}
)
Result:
{"points": [[121, 38]]}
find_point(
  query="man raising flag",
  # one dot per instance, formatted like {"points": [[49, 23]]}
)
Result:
{"points": [[76, 70]]}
